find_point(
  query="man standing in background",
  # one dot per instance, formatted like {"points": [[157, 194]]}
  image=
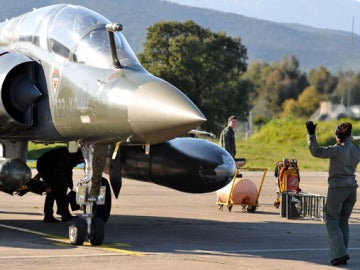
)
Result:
{"points": [[227, 136]]}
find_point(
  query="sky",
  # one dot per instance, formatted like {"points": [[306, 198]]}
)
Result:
{"points": [[324, 14]]}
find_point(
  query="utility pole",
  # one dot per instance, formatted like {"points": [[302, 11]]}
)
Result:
{"points": [[350, 71]]}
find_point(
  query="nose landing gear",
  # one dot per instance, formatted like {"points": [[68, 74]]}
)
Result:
{"points": [[90, 225]]}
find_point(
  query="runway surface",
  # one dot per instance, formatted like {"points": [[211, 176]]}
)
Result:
{"points": [[153, 227]]}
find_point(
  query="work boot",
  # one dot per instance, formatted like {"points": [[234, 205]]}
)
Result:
{"points": [[50, 219], [340, 261]]}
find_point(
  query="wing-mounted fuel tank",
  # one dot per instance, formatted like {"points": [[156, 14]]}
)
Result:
{"points": [[18, 90], [185, 164], [14, 173]]}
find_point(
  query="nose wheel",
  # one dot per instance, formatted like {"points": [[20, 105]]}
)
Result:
{"points": [[90, 225], [78, 232], [96, 236]]}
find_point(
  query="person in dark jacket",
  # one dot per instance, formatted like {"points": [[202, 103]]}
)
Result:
{"points": [[55, 167], [227, 136], [341, 196]]}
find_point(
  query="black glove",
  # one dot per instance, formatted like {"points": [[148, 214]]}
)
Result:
{"points": [[310, 126]]}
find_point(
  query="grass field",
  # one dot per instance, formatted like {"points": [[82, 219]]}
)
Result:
{"points": [[286, 138], [263, 155], [278, 139]]}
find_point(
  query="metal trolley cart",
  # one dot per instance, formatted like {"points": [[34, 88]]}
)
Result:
{"points": [[250, 207], [303, 205]]}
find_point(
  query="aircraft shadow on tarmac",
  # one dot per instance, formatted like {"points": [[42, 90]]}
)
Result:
{"points": [[298, 241]]}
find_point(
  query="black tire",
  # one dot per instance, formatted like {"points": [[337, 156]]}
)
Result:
{"points": [[77, 231], [252, 208], [97, 231], [103, 211]]}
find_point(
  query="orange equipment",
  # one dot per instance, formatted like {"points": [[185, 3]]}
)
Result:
{"points": [[241, 191], [288, 178]]}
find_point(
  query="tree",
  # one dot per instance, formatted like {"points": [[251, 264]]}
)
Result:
{"points": [[206, 66], [322, 80], [309, 101], [290, 107], [285, 81], [306, 104], [258, 72], [347, 90]]}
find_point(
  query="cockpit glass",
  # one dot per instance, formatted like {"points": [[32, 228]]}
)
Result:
{"points": [[80, 34], [94, 49], [69, 25], [73, 32], [124, 52]]}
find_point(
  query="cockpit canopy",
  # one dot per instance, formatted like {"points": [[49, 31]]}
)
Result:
{"points": [[74, 32]]}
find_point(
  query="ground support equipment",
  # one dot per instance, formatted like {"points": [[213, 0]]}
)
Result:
{"points": [[302, 205], [249, 207]]}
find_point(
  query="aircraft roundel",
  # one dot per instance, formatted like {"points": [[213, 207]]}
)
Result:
{"points": [[55, 80]]}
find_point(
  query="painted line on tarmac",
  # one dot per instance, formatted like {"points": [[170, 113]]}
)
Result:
{"points": [[251, 251], [60, 256], [288, 250], [23, 230], [62, 241]]}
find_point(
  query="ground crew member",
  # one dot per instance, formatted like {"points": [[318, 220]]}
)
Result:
{"points": [[341, 196], [55, 167], [227, 136]]}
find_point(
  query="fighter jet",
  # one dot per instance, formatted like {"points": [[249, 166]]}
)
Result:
{"points": [[68, 75]]}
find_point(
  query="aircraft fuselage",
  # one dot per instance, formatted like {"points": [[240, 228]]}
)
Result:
{"points": [[81, 93]]}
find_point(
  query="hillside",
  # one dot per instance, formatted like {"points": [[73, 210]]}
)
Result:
{"points": [[264, 40], [286, 138]]}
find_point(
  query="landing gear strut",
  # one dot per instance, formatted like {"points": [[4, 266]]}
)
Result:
{"points": [[90, 225]]}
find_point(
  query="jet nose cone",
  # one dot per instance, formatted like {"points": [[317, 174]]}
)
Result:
{"points": [[160, 112]]}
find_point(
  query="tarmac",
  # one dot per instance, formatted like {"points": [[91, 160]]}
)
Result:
{"points": [[153, 227]]}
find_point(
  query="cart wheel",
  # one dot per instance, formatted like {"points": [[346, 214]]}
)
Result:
{"points": [[97, 231], [251, 208], [77, 231], [229, 208], [277, 203], [221, 207]]}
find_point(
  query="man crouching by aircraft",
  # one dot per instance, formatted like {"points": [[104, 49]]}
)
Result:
{"points": [[55, 167]]}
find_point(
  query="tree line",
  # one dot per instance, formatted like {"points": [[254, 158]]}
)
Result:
{"points": [[212, 70]]}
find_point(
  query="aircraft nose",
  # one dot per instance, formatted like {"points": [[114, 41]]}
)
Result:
{"points": [[159, 112]]}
